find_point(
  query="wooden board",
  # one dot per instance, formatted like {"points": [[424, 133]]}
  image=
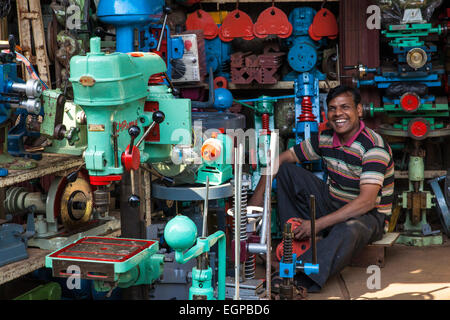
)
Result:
{"points": [[20, 268], [30, 22], [388, 239], [50, 164], [287, 85], [428, 174]]}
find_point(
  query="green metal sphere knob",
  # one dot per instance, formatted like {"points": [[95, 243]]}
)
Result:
{"points": [[180, 233]]}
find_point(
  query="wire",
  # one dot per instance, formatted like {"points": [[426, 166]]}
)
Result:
{"points": [[31, 71]]}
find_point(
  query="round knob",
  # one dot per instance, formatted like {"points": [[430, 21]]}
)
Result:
{"points": [[134, 201], [180, 233], [158, 116], [134, 131]]}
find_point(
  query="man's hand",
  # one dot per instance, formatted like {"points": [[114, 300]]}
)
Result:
{"points": [[303, 231]]}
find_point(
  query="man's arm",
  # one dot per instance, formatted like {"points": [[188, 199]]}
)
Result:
{"points": [[257, 199], [365, 202]]}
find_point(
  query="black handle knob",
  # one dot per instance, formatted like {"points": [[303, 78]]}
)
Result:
{"points": [[100, 32], [158, 116], [12, 43], [133, 131], [134, 201]]}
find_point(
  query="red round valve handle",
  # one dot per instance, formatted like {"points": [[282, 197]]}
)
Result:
{"points": [[131, 161]]}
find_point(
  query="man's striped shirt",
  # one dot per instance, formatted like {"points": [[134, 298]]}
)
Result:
{"points": [[365, 159]]}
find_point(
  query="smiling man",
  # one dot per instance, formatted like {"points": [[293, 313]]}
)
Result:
{"points": [[352, 204]]}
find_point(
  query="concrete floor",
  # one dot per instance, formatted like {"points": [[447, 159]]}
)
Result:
{"points": [[410, 273]]}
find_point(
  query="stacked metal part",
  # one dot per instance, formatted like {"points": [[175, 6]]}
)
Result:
{"points": [[247, 67], [303, 57], [409, 86]]}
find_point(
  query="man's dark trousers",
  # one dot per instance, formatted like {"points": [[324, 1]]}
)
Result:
{"points": [[343, 241]]}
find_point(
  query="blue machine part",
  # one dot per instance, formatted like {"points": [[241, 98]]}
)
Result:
{"points": [[173, 49], [307, 85], [13, 240], [384, 81], [218, 56], [126, 15], [441, 201], [25, 96], [223, 99], [303, 53], [288, 270]]}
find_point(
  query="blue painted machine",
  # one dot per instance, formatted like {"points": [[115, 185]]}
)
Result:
{"points": [[17, 98], [127, 15]]}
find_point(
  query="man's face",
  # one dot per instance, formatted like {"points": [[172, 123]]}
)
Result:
{"points": [[343, 115]]}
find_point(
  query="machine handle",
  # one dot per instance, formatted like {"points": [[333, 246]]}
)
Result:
{"points": [[134, 131], [158, 117]]}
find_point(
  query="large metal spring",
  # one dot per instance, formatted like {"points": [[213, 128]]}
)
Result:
{"points": [[288, 237], [244, 220], [307, 114], [250, 263]]}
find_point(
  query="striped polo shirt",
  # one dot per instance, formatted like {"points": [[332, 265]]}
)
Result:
{"points": [[365, 159]]}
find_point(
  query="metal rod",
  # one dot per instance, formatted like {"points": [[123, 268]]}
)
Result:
{"points": [[162, 33], [145, 134], [268, 233], [132, 181], [313, 228], [266, 205], [237, 227], [116, 148], [205, 210]]}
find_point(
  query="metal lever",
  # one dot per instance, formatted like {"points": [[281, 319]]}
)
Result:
{"points": [[205, 211], [312, 199], [158, 117], [134, 131], [134, 201], [167, 11]]}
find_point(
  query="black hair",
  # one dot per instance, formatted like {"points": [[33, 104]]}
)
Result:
{"points": [[334, 92]]}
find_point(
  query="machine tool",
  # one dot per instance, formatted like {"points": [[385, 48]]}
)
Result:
{"points": [[217, 159], [303, 57], [181, 234], [63, 214], [122, 105], [408, 88], [289, 263], [127, 15], [17, 99], [110, 262], [14, 238], [64, 124]]}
